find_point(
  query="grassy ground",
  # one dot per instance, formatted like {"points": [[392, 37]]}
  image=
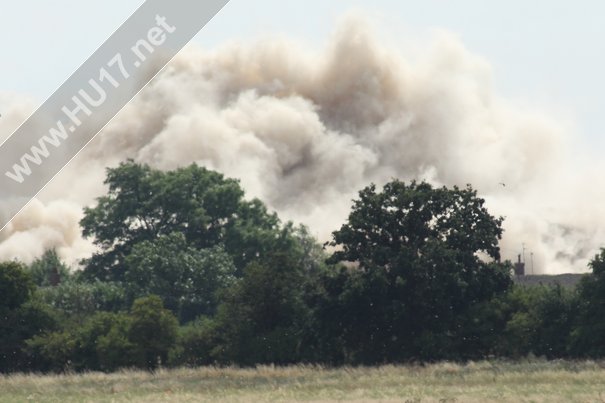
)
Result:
{"points": [[444, 383]]}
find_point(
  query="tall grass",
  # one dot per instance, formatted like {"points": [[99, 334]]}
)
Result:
{"points": [[529, 381]]}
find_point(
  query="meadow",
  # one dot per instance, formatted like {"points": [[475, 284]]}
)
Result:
{"points": [[528, 381]]}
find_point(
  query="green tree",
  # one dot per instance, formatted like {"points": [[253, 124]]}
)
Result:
{"points": [[187, 279], [589, 331], [153, 331], [196, 342], [84, 346], [557, 310], [21, 317], [142, 204], [16, 286], [264, 317], [525, 320], [78, 300], [417, 270], [115, 349], [49, 270], [107, 341]]}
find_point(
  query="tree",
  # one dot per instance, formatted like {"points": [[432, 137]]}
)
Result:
{"points": [[143, 204], [187, 279], [153, 330], [411, 219], [108, 341], [16, 286], [115, 349], [195, 344], [79, 300], [49, 270], [589, 332], [416, 252], [78, 348], [264, 317], [20, 317]]}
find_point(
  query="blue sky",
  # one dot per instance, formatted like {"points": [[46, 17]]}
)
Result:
{"points": [[546, 53]]}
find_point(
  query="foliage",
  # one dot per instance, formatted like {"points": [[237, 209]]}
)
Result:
{"points": [[589, 333], [418, 270], [153, 330], [412, 219], [415, 275], [107, 341], [195, 344], [20, 316], [143, 204], [115, 349], [79, 300], [16, 286], [540, 321], [263, 317], [187, 279], [43, 269], [74, 348], [17, 326]]}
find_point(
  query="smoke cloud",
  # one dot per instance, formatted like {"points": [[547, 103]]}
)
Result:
{"points": [[304, 129]]}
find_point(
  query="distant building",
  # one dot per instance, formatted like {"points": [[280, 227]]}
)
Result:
{"points": [[523, 279]]}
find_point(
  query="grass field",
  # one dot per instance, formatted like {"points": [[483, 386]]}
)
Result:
{"points": [[537, 381]]}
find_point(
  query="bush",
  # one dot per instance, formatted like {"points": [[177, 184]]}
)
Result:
{"points": [[21, 317], [264, 317], [16, 286], [75, 348], [195, 344], [80, 300], [589, 333], [108, 341], [153, 331]]}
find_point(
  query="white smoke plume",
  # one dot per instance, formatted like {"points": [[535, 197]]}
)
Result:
{"points": [[305, 129]]}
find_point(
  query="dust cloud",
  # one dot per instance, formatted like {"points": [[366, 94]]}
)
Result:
{"points": [[305, 128]]}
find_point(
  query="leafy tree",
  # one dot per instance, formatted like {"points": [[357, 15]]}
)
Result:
{"points": [[482, 329], [195, 343], [412, 219], [20, 316], [77, 348], [49, 270], [523, 321], [79, 300], [115, 349], [52, 351], [416, 251], [589, 332], [143, 204], [264, 316], [16, 286], [153, 331], [109, 341], [187, 279], [557, 310]]}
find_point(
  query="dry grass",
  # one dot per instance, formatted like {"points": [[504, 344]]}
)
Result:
{"points": [[537, 381]]}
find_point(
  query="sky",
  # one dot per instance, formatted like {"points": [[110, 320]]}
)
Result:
{"points": [[549, 54]]}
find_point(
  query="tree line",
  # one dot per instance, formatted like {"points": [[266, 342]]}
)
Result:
{"points": [[190, 272]]}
